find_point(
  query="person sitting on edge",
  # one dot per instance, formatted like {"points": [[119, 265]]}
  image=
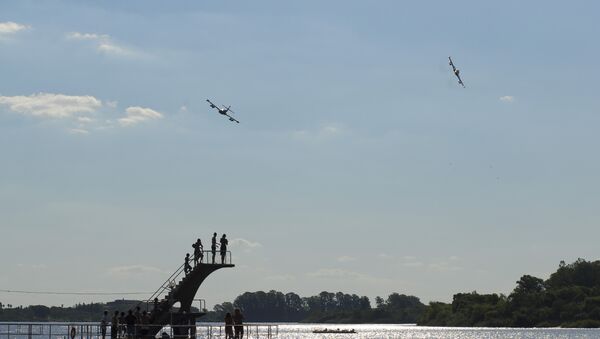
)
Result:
{"points": [[224, 243], [213, 246], [238, 320], [198, 249], [186, 264]]}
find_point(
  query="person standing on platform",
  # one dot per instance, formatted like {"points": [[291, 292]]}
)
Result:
{"points": [[228, 326], [198, 251], [104, 324], [130, 320], [122, 329], [238, 320], [114, 326], [213, 246], [224, 244]]}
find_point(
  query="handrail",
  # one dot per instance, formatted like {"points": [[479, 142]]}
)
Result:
{"points": [[90, 330], [203, 260]]}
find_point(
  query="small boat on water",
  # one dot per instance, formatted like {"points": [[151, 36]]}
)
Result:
{"points": [[326, 330]]}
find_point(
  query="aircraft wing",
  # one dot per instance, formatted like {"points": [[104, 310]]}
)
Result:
{"points": [[232, 118], [211, 104], [460, 81], [451, 64]]}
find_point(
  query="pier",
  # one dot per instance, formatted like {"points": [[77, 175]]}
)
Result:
{"points": [[89, 330]]}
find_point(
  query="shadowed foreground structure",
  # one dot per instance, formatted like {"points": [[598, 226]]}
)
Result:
{"points": [[164, 313]]}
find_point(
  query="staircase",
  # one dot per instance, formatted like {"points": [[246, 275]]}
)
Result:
{"points": [[182, 291]]}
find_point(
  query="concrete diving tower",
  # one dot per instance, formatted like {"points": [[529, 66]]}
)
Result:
{"points": [[183, 291]]}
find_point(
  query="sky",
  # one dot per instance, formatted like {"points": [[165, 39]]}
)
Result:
{"points": [[359, 165]]}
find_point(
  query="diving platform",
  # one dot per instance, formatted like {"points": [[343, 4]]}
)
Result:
{"points": [[180, 288]]}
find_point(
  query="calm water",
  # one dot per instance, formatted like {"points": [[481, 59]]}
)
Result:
{"points": [[408, 331]]}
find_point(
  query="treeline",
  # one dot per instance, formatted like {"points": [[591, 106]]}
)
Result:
{"points": [[79, 312], [569, 298], [326, 307]]}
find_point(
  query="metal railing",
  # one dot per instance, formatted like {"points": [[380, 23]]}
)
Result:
{"points": [[86, 330], [205, 258]]}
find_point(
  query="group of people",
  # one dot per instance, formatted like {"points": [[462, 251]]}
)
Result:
{"points": [[199, 252], [234, 327], [137, 325], [130, 325]]}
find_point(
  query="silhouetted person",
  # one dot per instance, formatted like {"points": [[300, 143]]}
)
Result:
{"points": [[213, 246], [228, 326], [186, 265], [114, 326], [198, 251], [238, 320], [224, 243], [130, 320], [103, 324], [138, 315], [155, 304], [122, 325], [145, 322]]}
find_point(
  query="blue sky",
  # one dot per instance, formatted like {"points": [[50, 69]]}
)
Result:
{"points": [[359, 164]]}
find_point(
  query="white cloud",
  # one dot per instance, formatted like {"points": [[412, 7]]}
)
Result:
{"points": [[133, 270], [85, 120], [78, 131], [87, 36], [384, 256], [324, 132], [136, 114], [340, 274], [10, 27], [345, 258], [446, 265], [51, 105], [104, 44], [244, 244], [507, 98], [283, 277]]}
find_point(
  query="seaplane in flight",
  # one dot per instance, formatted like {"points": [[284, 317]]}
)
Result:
{"points": [[456, 72], [223, 111]]}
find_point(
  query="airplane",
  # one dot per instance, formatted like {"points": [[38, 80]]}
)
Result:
{"points": [[223, 111], [456, 72]]}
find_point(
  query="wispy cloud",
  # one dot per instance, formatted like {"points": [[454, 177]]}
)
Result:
{"points": [[345, 258], [507, 98], [51, 105], [9, 28], [103, 43], [341, 274], [85, 112], [244, 244], [79, 131], [133, 270], [322, 133], [136, 114], [282, 277]]}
